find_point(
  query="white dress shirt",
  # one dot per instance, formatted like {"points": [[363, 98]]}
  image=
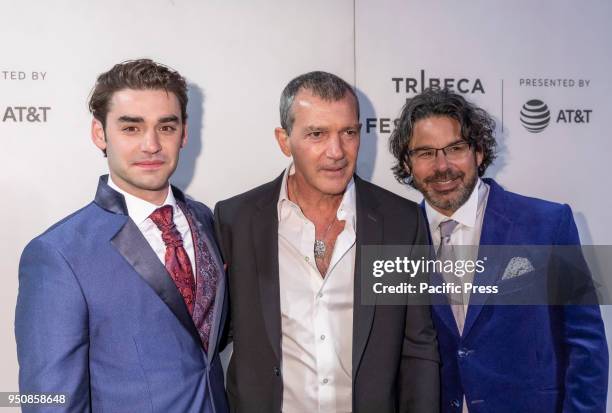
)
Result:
{"points": [[316, 311], [139, 211], [470, 217]]}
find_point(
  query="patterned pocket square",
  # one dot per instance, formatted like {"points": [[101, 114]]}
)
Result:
{"points": [[517, 267]]}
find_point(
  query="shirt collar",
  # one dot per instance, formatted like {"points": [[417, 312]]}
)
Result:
{"points": [[465, 215], [346, 210], [139, 209]]}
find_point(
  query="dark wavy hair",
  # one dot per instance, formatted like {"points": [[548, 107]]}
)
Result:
{"points": [[140, 74], [477, 127]]}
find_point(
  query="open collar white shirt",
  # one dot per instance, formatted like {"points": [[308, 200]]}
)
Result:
{"points": [[465, 237], [139, 211], [470, 217], [316, 311]]}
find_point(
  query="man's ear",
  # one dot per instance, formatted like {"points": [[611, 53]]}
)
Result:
{"points": [[185, 135], [98, 137], [283, 140]]}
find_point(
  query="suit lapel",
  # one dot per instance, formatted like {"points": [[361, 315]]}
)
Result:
{"points": [[369, 232], [265, 244], [134, 248], [496, 230]]}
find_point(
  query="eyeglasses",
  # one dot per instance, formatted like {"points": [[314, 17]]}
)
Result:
{"points": [[453, 152]]}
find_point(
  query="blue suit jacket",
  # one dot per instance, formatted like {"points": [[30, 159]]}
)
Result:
{"points": [[524, 358], [99, 318]]}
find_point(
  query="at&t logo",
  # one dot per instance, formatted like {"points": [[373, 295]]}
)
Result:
{"points": [[535, 116]]}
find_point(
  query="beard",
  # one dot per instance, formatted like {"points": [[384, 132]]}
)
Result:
{"points": [[447, 200]]}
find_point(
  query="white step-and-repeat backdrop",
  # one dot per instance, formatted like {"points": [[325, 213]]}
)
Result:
{"points": [[549, 57]]}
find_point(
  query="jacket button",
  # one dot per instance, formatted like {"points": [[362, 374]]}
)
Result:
{"points": [[276, 371], [461, 353], [455, 403]]}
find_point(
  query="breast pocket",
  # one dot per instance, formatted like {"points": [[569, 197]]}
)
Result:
{"points": [[530, 288]]}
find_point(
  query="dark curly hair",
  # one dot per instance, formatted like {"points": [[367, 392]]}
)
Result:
{"points": [[477, 127]]}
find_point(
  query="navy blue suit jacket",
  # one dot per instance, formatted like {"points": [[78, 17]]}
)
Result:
{"points": [[99, 318], [524, 358]]}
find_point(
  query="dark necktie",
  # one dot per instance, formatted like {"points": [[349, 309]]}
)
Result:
{"points": [[176, 259]]}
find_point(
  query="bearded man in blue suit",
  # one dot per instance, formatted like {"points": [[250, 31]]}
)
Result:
{"points": [[120, 304], [496, 358]]}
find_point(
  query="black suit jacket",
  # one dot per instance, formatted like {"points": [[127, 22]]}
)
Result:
{"points": [[395, 354]]}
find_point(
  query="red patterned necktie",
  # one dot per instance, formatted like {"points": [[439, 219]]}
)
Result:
{"points": [[177, 260]]}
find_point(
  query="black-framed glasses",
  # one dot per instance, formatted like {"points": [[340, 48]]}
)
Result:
{"points": [[453, 152]]}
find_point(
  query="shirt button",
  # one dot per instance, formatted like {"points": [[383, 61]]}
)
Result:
{"points": [[325, 381], [276, 371], [322, 336], [320, 295], [307, 259], [455, 403]]}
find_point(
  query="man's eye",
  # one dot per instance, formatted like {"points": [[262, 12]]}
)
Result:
{"points": [[426, 154], [454, 148], [316, 134], [130, 129], [351, 132], [168, 128]]}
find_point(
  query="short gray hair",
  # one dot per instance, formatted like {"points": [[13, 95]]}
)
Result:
{"points": [[325, 85]]}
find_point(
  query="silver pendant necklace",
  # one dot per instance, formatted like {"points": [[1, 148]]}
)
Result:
{"points": [[319, 245]]}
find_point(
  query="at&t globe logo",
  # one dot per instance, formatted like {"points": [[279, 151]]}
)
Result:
{"points": [[535, 116]]}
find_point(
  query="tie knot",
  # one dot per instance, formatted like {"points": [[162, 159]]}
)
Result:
{"points": [[162, 217], [447, 227]]}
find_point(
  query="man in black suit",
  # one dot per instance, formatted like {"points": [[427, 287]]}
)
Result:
{"points": [[303, 339]]}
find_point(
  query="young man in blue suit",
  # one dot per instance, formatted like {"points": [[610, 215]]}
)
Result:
{"points": [[120, 304], [528, 358]]}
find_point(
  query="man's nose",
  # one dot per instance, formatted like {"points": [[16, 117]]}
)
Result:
{"points": [[440, 161], [334, 147], [150, 143]]}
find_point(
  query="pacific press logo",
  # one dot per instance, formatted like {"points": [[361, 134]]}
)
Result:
{"points": [[535, 115]]}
